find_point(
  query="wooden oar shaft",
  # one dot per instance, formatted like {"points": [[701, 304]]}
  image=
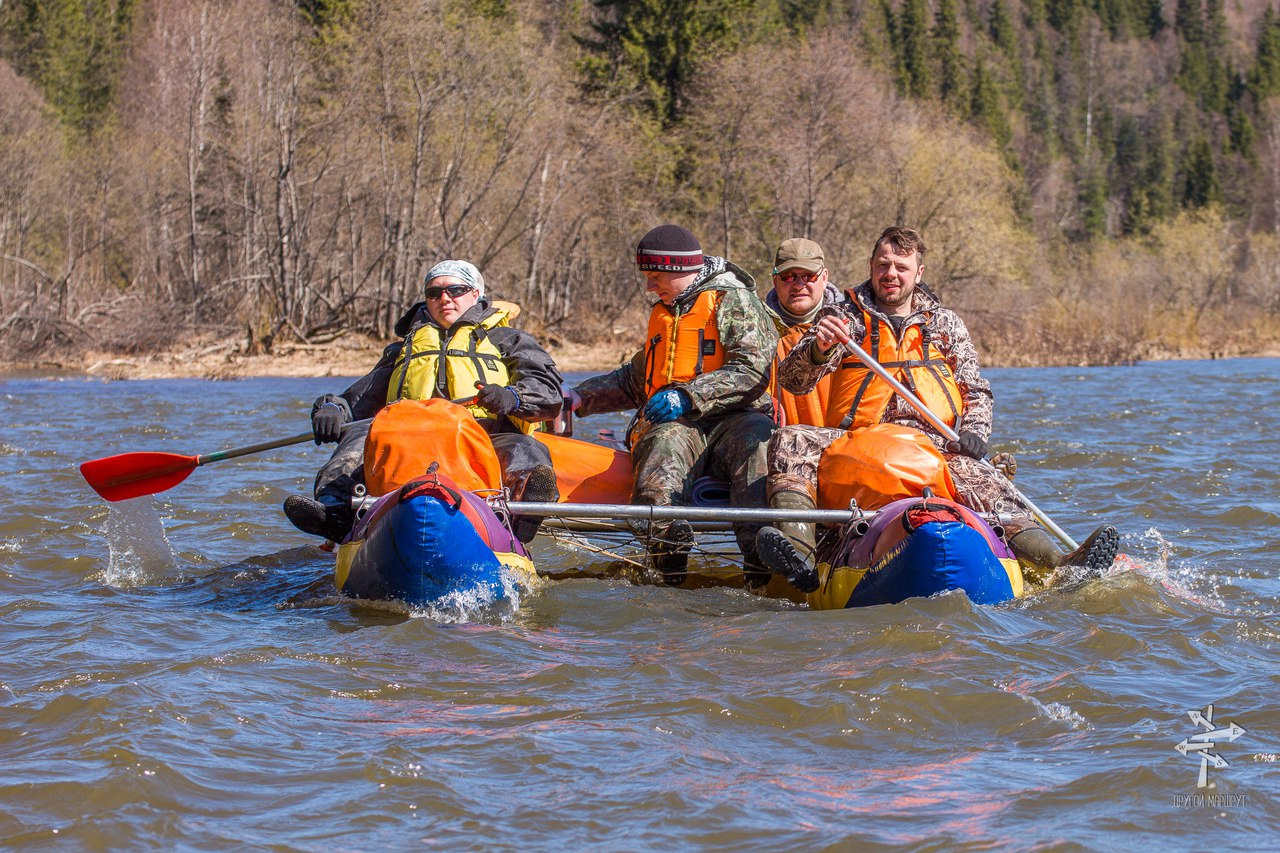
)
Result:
{"points": [[950, 434]]}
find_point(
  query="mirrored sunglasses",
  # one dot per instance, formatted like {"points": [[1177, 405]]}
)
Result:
{"points": [[455, 291], [795, 276]]}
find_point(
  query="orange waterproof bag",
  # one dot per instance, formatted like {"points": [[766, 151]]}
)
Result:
{"points": [[408, 435], [588, 473], [879, 464]]}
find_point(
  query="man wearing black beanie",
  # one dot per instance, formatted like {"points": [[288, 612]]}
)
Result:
{"points": [[700, 385]]}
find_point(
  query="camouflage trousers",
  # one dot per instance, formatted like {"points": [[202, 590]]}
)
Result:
{"points": [[795, 451], [669, 457]]}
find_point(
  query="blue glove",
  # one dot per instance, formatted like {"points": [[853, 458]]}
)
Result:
{"points": [[498, 399], [970, 444], [666, 406], [327, 421]]}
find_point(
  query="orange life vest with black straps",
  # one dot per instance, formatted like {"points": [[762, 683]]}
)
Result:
{"points": [[682, 343], [807, 408], [859, 398]]}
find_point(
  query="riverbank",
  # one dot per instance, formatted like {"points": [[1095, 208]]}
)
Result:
{"points": [[346, 356]]}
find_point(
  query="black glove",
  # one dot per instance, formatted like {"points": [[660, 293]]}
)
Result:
{"points": [[327, 421], [499, 399], [970, 445]]}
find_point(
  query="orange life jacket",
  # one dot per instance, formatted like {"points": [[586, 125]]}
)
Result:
{"points": [[807, 408], [682, 344], [858, 397]]}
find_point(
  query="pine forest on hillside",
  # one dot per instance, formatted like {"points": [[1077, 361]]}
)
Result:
{"points": [[1098, 181]]}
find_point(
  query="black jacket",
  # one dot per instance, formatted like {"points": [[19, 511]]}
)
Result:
{"points": [[533, 372]]}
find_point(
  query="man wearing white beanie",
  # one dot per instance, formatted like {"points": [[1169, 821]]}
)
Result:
{"points": [[518, 384]]}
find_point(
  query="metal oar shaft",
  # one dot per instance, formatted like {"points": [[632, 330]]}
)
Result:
{"points": [[950, 434], [688, 513], [219, 455]]}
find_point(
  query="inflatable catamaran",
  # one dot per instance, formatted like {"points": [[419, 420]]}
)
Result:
{"points": [[436, 522]]}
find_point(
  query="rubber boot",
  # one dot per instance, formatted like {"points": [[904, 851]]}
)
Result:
{"points": [[319, 519], [669, 544], [1096, 553], [539, 487], [1040, 557], [789, 548]]}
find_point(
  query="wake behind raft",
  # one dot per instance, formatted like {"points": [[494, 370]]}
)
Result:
{"points": [[435, 531]]}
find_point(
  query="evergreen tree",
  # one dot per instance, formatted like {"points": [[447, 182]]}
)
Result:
{"points": [[913, 49], [1202, 72], [1200, 178], [952, 88], [1264, 79], [653, 47], [984, 105], [326, 13], [1241, 135], [1001, 29], [1093, 201], [1153, 18], [75, 50]]}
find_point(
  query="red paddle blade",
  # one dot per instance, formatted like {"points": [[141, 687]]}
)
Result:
{"points": [[132, 475]]}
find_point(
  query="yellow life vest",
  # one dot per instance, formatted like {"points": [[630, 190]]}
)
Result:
{"points": [[859, 397], [682, 344], [469, 356], [807, 408]]}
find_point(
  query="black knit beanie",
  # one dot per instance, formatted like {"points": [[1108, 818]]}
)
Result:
{"points": [[669, 248]]}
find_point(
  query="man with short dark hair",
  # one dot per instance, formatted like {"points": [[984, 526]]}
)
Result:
{"points": [[897, 319], [700, 383], [455, 345]]}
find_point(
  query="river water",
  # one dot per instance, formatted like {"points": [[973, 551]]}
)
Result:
{"points": [[177, 672]]}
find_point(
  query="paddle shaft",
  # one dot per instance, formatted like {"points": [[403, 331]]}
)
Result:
{"points": [[218, 456], [950, 434]]}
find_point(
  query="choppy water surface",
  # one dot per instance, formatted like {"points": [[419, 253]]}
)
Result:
{"points": [[177, 672]]}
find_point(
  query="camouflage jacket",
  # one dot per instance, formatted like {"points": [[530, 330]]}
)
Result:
{"points": [[740, 384], [799, 373]]}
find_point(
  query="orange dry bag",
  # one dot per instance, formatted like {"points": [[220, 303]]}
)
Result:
{"points": [[408, 435], [588, 473], [879, 464]]}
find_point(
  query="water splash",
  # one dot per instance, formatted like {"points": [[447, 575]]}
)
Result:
{"points": [[1151, 557], [483, 602], [140, 552]]}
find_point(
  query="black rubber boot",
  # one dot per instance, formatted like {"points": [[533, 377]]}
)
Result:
{"points": [[671, 554], [539, 487], [318, 519], [788, 548], [669, 544], [1095, 554]]}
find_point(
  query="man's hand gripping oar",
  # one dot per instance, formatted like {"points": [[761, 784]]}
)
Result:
{"points": [[830, 332]]}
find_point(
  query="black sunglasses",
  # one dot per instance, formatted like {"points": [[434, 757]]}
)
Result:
{"points": [[454, 290]]}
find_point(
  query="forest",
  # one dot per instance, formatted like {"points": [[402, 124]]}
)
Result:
{"points": [[1097, 181]]}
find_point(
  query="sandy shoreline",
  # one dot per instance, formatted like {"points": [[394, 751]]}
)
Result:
{"points": [[348, 356]]}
